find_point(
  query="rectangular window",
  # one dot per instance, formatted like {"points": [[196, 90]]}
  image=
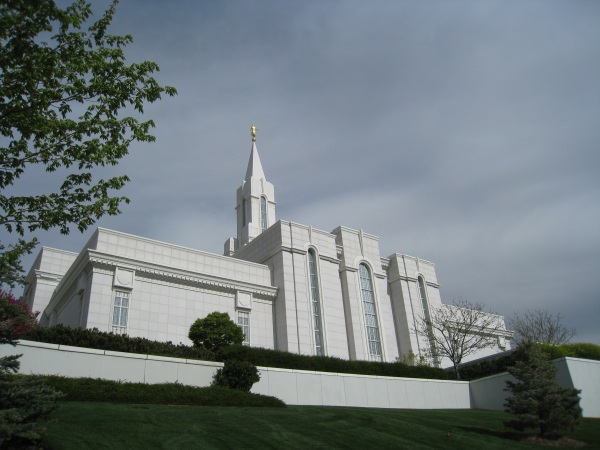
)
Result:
{"points": [[244, 323], [120, 311]]}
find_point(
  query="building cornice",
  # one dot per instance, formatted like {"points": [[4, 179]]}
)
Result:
{"points": [[156, 271]]}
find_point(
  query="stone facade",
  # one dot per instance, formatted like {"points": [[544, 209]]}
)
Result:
{"points": [[292, 287]]}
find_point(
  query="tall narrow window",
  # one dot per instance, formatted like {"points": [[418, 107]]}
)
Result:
{"points": [[316, 306], [244, 323], [368, 298], [120, 310], [423, 296], [263, 213], [427, 317], [243, 212]]}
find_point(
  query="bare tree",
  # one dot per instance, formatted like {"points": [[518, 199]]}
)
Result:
{"points": [[458, 330], [541, 326]]}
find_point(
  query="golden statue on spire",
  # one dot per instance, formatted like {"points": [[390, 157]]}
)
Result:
{"points": [[253, 130]]}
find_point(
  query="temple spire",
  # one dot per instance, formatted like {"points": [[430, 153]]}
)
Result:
{"points": [[255, 169], [255, 201]]}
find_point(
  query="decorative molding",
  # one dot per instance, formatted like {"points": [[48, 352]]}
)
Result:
{"points": [[243, 300], [123, 278], [412, 280], [182, 277]]}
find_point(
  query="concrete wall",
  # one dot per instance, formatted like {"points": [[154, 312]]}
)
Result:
{"points": [[298, 387], [295, 387], [584, 374]]}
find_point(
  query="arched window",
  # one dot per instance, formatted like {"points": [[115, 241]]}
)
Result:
{"points": [[316, 304], [368, 298], [263, 213]]}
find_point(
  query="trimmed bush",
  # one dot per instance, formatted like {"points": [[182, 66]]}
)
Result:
{"points": [[93, 338], [98, 390], [236, 374], [579, 350], [492, 366], [285, 360], [215, 331]]}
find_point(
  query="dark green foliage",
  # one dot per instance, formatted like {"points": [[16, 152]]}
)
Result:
{"points": [[68, 101], [23, 403], [580, 350], [275, 358], [236, 374], [92, 338], [500, 363], [488, 366], [97, 390], [537, 400], [215, 331]]}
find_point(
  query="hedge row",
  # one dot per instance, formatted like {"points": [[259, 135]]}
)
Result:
{"points": [[274, 358], [492, 366], [92, 338], [580, 350], [98, 390]]}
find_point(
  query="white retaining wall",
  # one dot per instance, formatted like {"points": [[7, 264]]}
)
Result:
{"points": [[299, 387], [584, 374], [294, 387]]}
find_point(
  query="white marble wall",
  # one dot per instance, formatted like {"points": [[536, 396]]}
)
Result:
{"points": [[294, 387]]}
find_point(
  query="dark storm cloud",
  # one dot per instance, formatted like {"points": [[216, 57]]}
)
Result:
{"points": [[465, 133]]}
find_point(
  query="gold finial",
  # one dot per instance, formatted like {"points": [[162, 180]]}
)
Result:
{"points": [[253, 130]]}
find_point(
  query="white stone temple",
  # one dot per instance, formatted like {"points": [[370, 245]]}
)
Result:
{"points": [[289, 286]]}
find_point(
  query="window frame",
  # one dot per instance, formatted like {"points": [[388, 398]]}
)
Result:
{"points": [[315, 302], [244, 326], [370, 316], [264, 220], [119, 327]]}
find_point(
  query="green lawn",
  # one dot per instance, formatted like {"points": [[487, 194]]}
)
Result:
{"points": [[83, 425]]}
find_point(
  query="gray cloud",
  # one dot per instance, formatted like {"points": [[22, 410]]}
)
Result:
{"points": [[465, 133]]}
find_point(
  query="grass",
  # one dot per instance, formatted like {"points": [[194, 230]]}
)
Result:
{"points": [[88, 425]]}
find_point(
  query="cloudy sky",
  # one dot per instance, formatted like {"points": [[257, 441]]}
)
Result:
{"points": [[466, 133]]}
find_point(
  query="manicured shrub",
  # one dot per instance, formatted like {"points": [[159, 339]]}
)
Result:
{"points": [[215, 331], [98, 390], [285, 360], [236, 374], [501, 363], [488, 366], [93, 338], [577, 350]]}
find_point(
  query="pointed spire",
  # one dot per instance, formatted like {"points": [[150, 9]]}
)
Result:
{"points": [[255, 169]]}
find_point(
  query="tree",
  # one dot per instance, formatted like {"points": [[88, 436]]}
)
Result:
{"points": [[542, 327], [537, 400], [67, 104], [215, 331], [458, 330], [23, 402]]}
